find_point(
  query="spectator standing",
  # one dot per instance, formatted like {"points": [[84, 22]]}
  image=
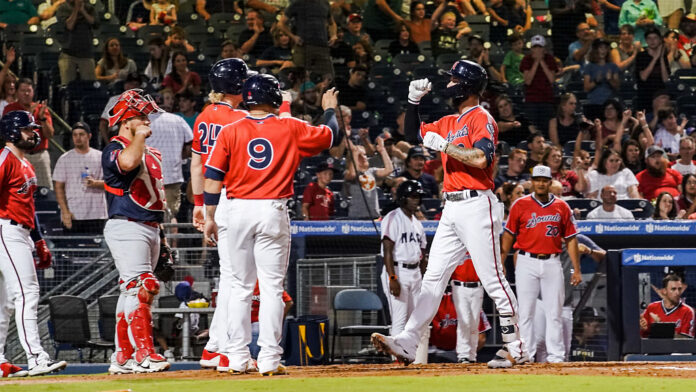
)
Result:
{"points": [[566, 14], [160, 64], [671, 11], [671, 309], [47, 12], [611, 10], [669, 131], [172, 136], [677, 57], [415, 162], [79, 184], [625, 52], [353, 93], [600, 76], [80, 20], [403, 44], [381, 18], [341, 54], [354, 32], [539, 69], [315, 28], [500, 20], [685, 164], [318, 199], [514, 128], [39, 156], [564, 126], [181, 78], [536, 147], [657, 177], [643, 15], [363, 182], [609, 209], [255, 39], [553, 158], [18, 12], [187, 108], [611, 171], [666, 208], [510, 70], [8, 87], [517, 159], [114, 66], [162, 12], [687, 199]]}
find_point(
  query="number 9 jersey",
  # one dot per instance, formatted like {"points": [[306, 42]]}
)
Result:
{"points": [[258, 157]]}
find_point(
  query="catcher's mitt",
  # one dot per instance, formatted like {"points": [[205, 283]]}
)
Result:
{"points": [[164, 271]]}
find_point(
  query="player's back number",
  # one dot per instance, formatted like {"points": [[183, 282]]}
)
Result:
{"points": [[260, 153], [209, 133]]}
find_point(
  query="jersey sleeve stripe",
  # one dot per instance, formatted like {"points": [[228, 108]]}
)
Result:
{"points": [[193, 150], [509, 231], [571, 236], [3, 155]]}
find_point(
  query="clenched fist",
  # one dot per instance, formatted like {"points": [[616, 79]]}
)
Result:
{"points": [[434, 141], [417, 90]]}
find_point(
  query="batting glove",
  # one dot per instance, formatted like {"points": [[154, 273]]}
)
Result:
{"points": [[434, 141], [44, 257], [417, 89]]}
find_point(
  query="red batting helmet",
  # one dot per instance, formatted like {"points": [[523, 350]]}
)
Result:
{"points": [[132, 103]]}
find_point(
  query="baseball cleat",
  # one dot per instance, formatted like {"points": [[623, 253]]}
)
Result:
{"points": [[251, 367], [8, 370], [504, 360], [210, 359], [280, 370], [465, 361], [154, 363], [47, 367], [127, 368], [386, 344], [223, 364]]}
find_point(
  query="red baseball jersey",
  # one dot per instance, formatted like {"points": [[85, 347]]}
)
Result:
{"points": [[208, 125], [465, 272], [464, 130], [17, 186], [259, 156], [443, 333], [256, 302], [681, 314], [540, 227]]}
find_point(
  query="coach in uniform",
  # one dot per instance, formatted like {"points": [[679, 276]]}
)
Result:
{"points": [[540, 221], [670, 309], [403, 251], [467, 294], [136, 204]]}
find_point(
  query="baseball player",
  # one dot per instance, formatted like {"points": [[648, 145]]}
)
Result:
{"points": [[256, 158], [670, 309], [471, 218], [541, 221], [19, 234], [403, 250], [467, 294], [136, 203]]}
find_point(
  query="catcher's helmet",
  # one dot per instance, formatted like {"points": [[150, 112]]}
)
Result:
{"points": [[471, 79], [409, 188], [227, 76], [12, 123], [262, 89], [132, 103]]}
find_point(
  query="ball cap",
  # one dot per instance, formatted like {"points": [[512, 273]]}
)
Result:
{"points": [[541, 171], [589, 313], [654, 149], [326, 166], [354, 18], [538, 40], [416, 152]]}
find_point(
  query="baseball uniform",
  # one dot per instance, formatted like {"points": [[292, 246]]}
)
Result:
{"points": [[467, 294], [682, 315], [540, 229], [256, 159]]}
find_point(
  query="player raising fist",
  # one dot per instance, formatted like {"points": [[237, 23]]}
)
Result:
{"points": [[256, 157]]}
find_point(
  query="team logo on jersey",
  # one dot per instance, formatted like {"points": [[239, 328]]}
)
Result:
{"points": [[535, 220], [28, 184], [463, 131], [491, 130], [410, 237], [367, 182], [448, 321]]}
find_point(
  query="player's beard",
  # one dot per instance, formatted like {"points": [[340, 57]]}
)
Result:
{"points": [[27, 145]]}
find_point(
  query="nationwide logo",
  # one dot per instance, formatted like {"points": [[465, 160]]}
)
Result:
{"points": [[345, 229], [639, 258]]}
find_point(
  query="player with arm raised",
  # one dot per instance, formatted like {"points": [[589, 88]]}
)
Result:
{"points": [[472, 217], [255, 159]]}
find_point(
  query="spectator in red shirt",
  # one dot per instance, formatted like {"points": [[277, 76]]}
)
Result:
{"points": [[318, 199], [657, 176], [539, 70]]}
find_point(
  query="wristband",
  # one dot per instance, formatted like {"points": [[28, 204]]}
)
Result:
{"points": [[393, 277], [211, 199], [284, 107], [198, 200]]}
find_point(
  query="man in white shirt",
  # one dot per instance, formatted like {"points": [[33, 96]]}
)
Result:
{"points": [[79, 185], [685, 164], [609, 209]]}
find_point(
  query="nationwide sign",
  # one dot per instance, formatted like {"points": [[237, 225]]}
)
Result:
{"points": [[658, 257]]}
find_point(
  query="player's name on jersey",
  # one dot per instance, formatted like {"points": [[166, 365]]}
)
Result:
{"points": [[658, 257], [605, 227]]}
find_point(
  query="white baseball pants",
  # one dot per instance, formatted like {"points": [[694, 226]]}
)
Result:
{"points": [[467, 302], [258, 237], [472, 225], [20, 286], [219, 324], [540, 332], [534, 276], [401, 307]]}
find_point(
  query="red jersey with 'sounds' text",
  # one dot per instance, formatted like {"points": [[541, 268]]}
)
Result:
{"points": [[540, 227], [464, 130], [465, 272], [208, 125], [17, 186], [259, 156], [256, 302], [682, 315], [443, 333]]}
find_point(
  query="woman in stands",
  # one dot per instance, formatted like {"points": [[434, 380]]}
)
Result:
{"points": [[420, 25], [553, 158], [624, 54], [616, 121], [611, 171], [513, 127], [687, 198], [632, 156], [564, 127], [229, 50], [181, 78], [403, 44], [279, 55], [8, 87], [160, 63], [678, 59], [508, 193], [114, 66], [666, 208]]}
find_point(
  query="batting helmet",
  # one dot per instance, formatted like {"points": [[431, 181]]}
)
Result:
{"points": [[227, 76], [12, 123], [132, 103], [470, 77], [262, 89], [409, 188]]}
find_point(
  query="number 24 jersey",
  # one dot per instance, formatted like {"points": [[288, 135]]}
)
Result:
{"points": [[259, 156]]}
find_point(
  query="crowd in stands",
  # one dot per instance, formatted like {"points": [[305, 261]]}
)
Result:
{"points": [[598, 90]]}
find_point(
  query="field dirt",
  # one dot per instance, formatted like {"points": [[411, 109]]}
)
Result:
{"points": [[623, 369]]}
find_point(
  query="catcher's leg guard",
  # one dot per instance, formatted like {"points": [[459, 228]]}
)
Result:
{"points": [[140, 319], [124, 350]]}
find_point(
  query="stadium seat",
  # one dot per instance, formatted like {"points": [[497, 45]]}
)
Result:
{"points": [[408, 62], [445, 61], [583, 205], [587, 145], [354, 300], [222, 20], [234, 30], [685, 76], [641, 208], [341, 204]]}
